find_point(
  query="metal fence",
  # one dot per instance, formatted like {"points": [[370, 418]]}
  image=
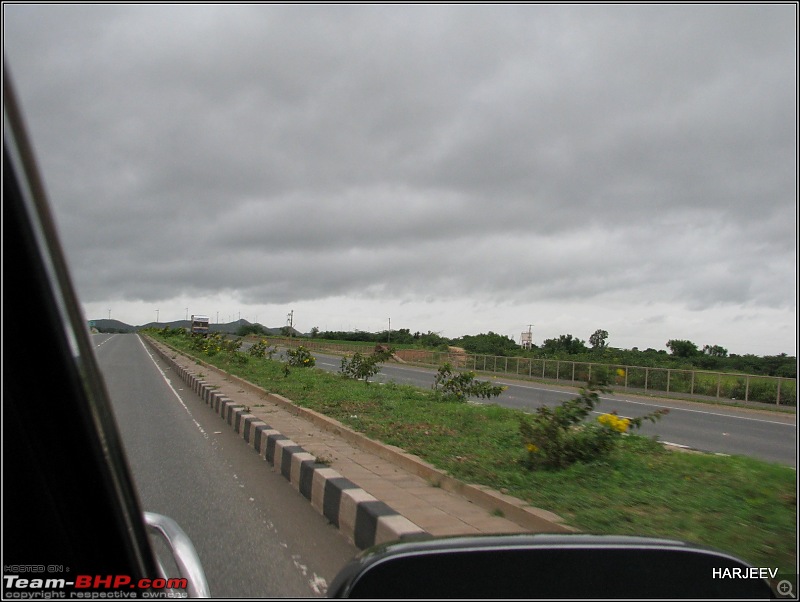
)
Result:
{"points": [[700, 383], [719, 385]]}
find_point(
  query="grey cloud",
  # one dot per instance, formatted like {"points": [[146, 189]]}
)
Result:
{"points": [[500, 152]]}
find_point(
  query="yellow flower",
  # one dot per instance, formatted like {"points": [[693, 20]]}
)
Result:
{"points": [[620, 372], [614, 422], [532, 448]]}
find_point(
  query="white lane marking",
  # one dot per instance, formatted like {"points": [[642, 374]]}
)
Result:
{"points": [[508, 384], [171, 388], [700, 411], [318, 584], [656, 405], [104, 341]]}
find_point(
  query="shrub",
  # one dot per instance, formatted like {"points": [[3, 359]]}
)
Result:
{"points": [[214, 343], [168, 332], [300, 358], [365, 366], [558, 437], [460, 386], [261, 349]]}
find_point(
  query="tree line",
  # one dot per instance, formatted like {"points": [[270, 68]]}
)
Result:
{"points": [[681, 354]]}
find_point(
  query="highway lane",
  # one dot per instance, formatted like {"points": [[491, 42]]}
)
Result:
{"points": [[256, 535], [769, 436]]}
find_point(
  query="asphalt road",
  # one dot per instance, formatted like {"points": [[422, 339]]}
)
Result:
{"points": [[256, 536], [769, 436]]}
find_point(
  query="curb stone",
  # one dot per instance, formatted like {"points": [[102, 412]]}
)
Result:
{"points": [[530, 518], [363, 519]]}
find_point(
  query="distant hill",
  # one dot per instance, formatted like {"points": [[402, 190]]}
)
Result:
{"points": [[111, 326], [115, 326]]}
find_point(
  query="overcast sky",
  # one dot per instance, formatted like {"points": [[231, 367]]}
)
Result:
{"points": [[451, 168]]}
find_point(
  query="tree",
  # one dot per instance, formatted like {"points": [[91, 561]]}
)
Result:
{"points": [[400, 337], [680, 348], [364, 366], [565, 343], [598, 339], [246, 329], [487, 344], [460, 386], [715, 351], [431, 339], [315, 332]]}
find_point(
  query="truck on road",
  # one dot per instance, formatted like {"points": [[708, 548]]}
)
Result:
{"points": [[199, 325]]}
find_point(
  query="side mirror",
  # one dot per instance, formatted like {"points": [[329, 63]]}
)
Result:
{"points": [[547, 566], [180, 555]]}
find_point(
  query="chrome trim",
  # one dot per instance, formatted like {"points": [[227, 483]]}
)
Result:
{"points": [[183, 552]]}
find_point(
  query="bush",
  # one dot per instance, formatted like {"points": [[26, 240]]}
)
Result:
{"points": [[300, 358], [558, 437], [168, 332], [362, 366], [214, 343], [460, 386], [261, 349]]}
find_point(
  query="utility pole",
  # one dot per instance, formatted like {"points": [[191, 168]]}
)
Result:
{"points": [[156, 316], [389, 334], [290, 321]]}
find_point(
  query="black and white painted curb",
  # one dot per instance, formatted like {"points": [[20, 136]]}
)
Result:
{"points": [[365, 520]]}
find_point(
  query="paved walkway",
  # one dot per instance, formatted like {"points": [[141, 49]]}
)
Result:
{"points": [[436, 503]]}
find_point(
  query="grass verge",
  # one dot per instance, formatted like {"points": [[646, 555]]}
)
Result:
{"points": [[736, 504]]}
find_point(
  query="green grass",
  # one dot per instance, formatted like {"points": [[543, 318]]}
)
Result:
{"points": [[739, 505], [689, 383]]}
